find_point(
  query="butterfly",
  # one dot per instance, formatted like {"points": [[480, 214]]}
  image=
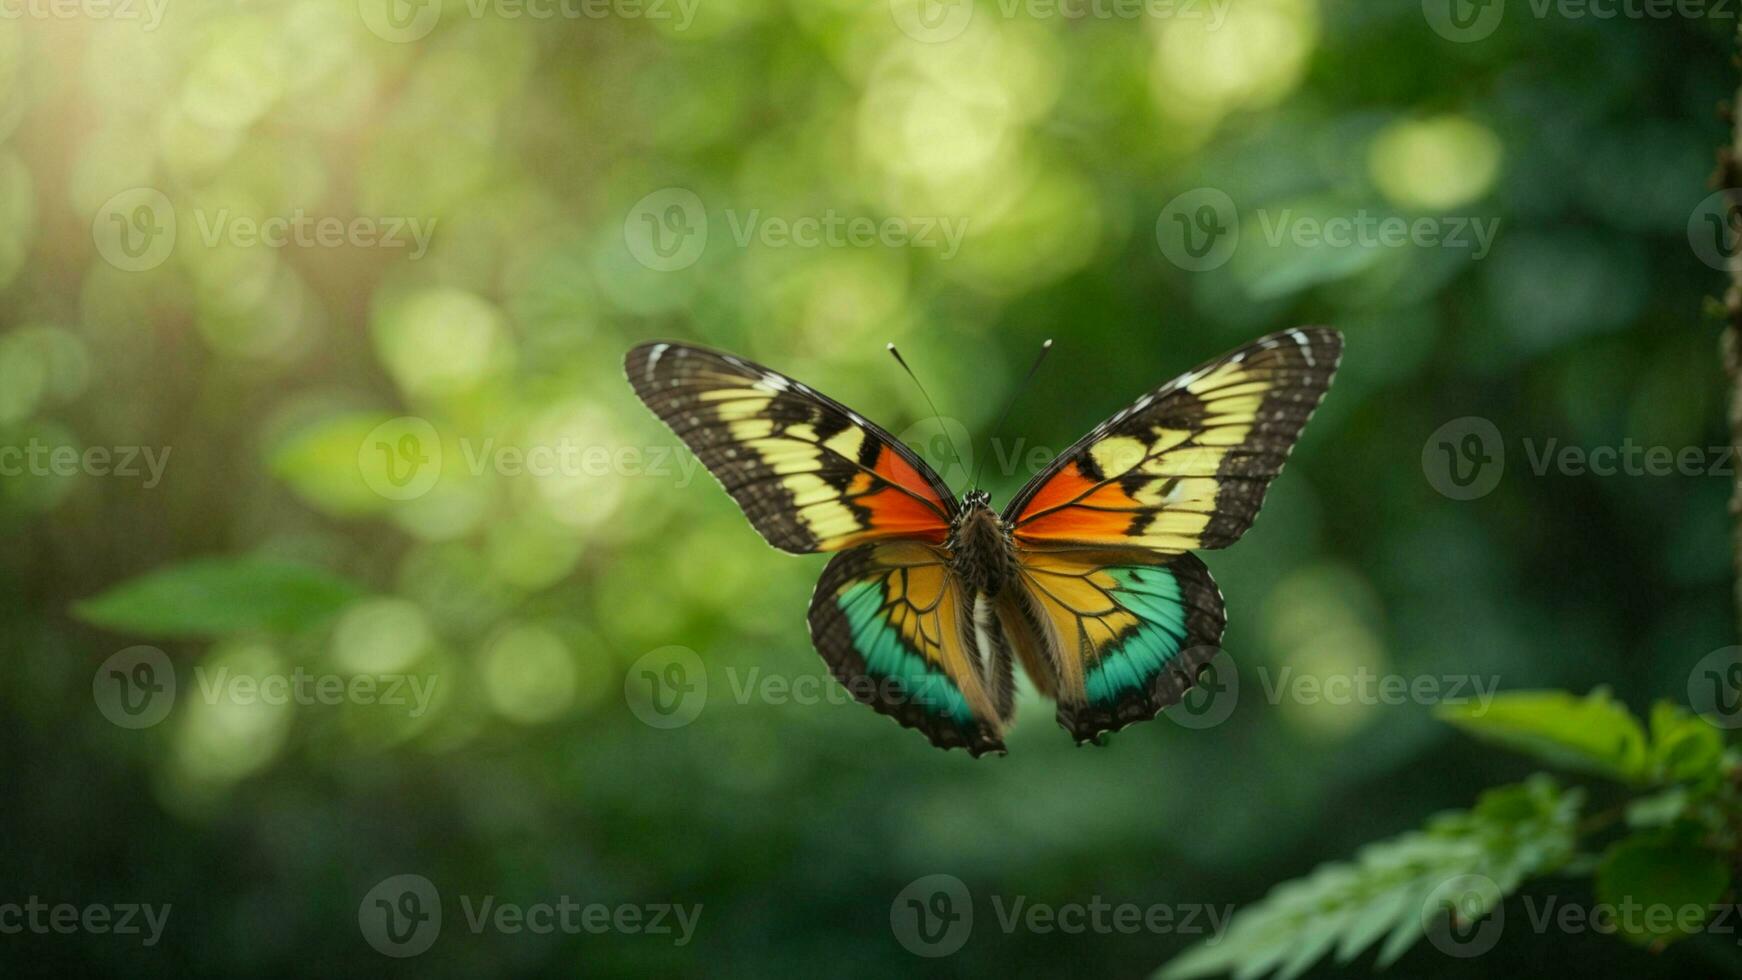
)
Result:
{"points": [[1086, 577]]}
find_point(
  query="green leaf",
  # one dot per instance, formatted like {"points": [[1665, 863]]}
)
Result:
{"points": [[1658, 809], [1377, 919], [323, 462], [1593, 734], [212, 597], [1684, 747], [1661, 884], [1386, 892], [1306, 954], [1409, 927]]}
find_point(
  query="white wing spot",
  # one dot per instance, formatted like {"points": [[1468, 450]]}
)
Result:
{"points": [[1306, 346], [653, 358]]}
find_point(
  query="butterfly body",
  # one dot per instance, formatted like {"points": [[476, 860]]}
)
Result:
{"points": [[982, 547], [1086, 578]]}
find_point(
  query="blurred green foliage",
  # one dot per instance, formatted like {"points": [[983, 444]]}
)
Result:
{"points": [[283, 538], [1511, 834], [1660, 881]]}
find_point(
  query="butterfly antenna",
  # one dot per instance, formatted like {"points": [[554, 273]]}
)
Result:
{"points": [[1014, 393], [928, 402]]}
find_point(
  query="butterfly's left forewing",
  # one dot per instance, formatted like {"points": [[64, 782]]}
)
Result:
{"points": [[1187, 465], [809, 473]]}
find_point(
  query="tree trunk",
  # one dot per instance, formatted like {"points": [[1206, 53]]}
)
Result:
{"points": [[1730, 343]]}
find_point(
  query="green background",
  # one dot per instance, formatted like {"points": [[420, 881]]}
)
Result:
{"points": [[529, 146]]}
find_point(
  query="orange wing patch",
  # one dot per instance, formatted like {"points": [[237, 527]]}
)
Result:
{"points": [[1085, 511]]}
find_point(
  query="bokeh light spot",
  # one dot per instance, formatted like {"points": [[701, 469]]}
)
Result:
{"points": [[1435, 164], [529, 675]]}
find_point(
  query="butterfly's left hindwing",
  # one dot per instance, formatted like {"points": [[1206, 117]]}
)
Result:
{"points": [[898, 630], [1119, 635], [810, 474]]}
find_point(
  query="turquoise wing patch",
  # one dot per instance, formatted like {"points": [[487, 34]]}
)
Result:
{"points": [[1121, 638], [1152, 594], [889, 657], [896, 629]]}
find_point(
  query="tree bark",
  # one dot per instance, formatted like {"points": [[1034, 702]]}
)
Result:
{"points": [[1730, 342]]}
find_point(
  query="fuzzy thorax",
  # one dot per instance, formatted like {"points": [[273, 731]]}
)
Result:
{"points": [[984, 556]]}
